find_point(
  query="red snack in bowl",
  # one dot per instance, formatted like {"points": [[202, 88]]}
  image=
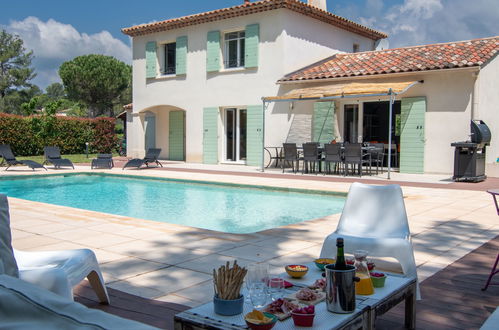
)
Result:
{"points": [[376, 274], [304, 317]]}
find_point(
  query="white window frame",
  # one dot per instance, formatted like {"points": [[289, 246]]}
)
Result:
{"points": [[237, 135], [240, 49]]}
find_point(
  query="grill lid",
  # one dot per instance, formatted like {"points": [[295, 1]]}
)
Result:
{"points": [[480, 132]]}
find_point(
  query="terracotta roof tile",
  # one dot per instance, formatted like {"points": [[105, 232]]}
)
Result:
{"points": [[408, 59], [252, 8]]}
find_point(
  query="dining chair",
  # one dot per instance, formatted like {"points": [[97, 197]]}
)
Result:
{"points": [[332, 154], [353, 155], [377, 156], [310, 157], [290, 156]]}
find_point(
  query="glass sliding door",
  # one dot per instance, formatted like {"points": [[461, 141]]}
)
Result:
{"points": [[235, 134]]}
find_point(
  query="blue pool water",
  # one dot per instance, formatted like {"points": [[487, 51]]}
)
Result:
{"points": [[216, 207]]}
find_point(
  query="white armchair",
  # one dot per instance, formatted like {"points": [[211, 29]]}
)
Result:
{"points": [[374, 219], [60, 271], [56, 271]]}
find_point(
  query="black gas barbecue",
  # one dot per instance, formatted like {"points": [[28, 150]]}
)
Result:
{"points": [[469, 156]]}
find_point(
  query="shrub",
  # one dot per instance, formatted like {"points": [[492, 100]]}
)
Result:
{"points": [[28, 135]]}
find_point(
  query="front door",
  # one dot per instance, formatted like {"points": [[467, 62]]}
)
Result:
{"points": [[176, 149], [235, 134], [351, 123]]}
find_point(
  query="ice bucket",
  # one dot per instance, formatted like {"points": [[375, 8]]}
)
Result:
{"points": [[340, 289]]}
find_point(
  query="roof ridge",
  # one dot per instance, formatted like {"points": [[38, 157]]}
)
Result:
{"points": [[259, 6], [420, 46]]}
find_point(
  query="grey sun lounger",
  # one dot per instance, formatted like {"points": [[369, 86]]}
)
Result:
{"points": [[9, 158], [53, 156], [103, 161], [152, 155]]}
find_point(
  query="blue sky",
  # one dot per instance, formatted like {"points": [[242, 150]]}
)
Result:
{"points": [[59, 30]]}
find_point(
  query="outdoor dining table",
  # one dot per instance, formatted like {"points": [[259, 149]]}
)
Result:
{"points": [[397, 288]]}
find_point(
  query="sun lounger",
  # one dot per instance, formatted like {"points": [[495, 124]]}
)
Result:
{"points": [[53, 156], [103, 161], [152, 155], [9, 158]]}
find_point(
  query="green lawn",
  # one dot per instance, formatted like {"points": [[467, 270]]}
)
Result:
{"points": [[79, 158]]}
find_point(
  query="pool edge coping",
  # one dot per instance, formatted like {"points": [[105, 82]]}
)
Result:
{"points": [[156, 178]]}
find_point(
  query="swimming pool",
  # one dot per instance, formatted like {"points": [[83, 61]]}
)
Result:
{"points": [[218, 207]]}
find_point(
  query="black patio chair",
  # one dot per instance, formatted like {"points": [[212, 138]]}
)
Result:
{"points": [[310, 157], [9, 158], [53, 156], [103, 161], [353, 155], [377, 156], [332, 154], [290, 156], [152, 155]]}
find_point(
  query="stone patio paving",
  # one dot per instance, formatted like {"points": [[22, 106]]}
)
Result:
{"points": [[173, 263]]}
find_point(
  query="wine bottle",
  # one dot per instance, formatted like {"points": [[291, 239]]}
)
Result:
{"points": [[340, 255]]}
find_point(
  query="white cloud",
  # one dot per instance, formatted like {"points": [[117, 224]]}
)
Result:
{"points": [[54, 42], [415, 22]]}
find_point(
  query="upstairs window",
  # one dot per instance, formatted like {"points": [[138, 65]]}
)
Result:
{"points": [[355, 48], [170, 58], [234, 49]]}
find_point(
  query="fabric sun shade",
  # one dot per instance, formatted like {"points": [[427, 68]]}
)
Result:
{"points": [[332, 90]]}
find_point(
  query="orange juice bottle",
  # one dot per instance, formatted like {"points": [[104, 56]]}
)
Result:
{"points": [[364, 286]]}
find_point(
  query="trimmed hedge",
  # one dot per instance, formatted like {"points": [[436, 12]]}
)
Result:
{"points": [[28, 135]]}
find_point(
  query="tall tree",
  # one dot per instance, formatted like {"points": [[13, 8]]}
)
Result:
{"points": [[97, 81], [15, 71], [55, 91]]}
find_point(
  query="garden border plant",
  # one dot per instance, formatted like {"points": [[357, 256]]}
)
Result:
{"points": [[27, 135]]}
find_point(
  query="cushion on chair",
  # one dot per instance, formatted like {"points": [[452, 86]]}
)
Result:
{"points": [[6, 253], [25, 306]]}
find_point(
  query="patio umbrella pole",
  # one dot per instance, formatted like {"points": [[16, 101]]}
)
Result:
{"points": [[390, 134]]}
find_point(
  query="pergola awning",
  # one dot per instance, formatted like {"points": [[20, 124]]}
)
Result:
{"points": [[343, 90], [338, 91]]}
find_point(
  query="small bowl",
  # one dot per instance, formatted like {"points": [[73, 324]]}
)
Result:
{"points": [[296, 272], [303, 320], [378, 282], [322, 262], [264, 326]]}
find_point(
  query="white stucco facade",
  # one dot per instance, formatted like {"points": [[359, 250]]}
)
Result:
{"points": [[288, 41]]}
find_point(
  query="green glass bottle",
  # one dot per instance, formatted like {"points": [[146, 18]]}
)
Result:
{"points": [[340, 255]]}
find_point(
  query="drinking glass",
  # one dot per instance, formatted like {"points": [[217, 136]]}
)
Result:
{"points": [[276, 286], [257, 274], [258, 295]]}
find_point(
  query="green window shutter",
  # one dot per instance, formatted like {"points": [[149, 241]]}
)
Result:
{"points": [[412, 142], [210, 135], [151, 59], [251, 43], [176, 135], [323, 122], [150, 131], [181, 55], [213, 52], [254, 135]]}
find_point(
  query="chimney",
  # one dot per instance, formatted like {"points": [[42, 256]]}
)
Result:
{"points": [[321, 4]]}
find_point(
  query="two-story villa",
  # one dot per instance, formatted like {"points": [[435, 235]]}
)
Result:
{"points": [[199, 81]]}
